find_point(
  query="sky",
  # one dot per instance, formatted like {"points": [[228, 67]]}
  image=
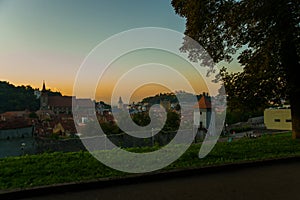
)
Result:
{"points": [[49, 39]]}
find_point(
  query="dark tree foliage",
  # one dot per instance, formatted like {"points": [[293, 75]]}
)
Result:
{"points": [[266, 32], [172, 122], [18, 98], [249, 95], [141, 119], [160, 97], [110, 128], [105, 105], [171, 97]]}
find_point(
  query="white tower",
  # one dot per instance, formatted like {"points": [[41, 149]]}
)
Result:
{"points": [[120, 103]]}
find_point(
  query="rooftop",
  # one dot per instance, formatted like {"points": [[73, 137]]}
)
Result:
{"points": [[204, 103]]}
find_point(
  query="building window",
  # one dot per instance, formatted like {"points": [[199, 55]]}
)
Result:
{"points": [[276, 120], [288, 120]]}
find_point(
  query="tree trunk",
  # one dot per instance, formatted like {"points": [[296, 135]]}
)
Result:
{"points": [[291, 64], [295, 111]]}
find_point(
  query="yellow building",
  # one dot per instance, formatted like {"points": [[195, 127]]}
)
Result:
{"points": [[58, 129], [278, 118]]}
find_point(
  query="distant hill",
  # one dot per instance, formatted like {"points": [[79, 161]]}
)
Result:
{"points": [[17, 98], [160, 97], [171, 97]]}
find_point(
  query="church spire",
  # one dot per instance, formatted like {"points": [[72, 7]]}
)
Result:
{"points": [[44, 98], [44, 86], [120, 100], [120, 103]]}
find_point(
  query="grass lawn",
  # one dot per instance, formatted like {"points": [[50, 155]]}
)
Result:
{"points": [[51, 168]]}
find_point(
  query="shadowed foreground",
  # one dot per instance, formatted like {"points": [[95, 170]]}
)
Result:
{"points": [[270, 181]]}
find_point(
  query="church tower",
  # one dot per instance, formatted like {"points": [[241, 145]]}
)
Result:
{"points": [[44, 98], [120, 103]]}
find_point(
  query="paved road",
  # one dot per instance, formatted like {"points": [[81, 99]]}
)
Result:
{"points": [[277, 181]]}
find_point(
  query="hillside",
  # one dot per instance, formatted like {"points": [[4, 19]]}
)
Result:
{"points": [[17, 98]]}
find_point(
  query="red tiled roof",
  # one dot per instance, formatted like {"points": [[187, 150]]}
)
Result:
{"points": [[40, 112], [15, 113], [203, 103], [60, 101]]}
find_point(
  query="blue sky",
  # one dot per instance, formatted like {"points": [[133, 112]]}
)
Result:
{"points": [[49, 39]]}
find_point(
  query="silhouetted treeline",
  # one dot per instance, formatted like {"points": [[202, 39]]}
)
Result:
{"points": [[17, 98], [171, 97]]}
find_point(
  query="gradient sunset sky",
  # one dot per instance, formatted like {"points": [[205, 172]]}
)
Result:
{"points": [[49, 39]]}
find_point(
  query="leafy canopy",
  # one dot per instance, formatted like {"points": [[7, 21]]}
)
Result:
{"points": [[267, 34]]}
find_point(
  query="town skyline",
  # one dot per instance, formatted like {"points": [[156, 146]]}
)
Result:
{"points": [[137, 96]]}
